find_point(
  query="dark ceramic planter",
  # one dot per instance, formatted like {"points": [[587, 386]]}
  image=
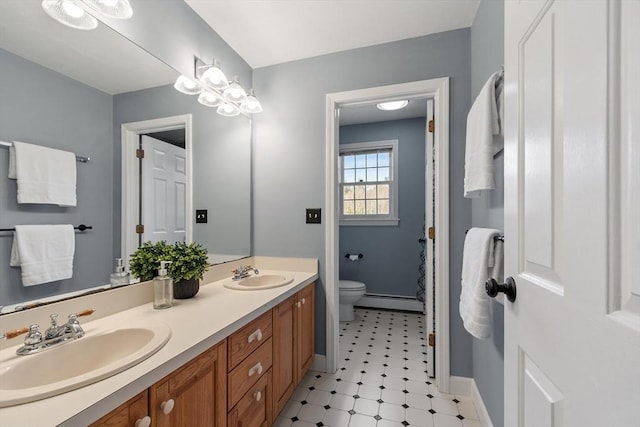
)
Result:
{"points": [[186, 288]]}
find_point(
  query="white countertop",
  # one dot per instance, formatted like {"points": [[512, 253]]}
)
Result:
{"points": [[196, 325]]}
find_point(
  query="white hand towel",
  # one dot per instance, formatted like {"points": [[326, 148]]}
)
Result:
{"points": [[497, 271], [45, 175], [482, 123], [475, 304], [44, 252]]}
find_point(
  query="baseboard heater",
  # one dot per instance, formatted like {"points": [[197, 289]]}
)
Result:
{"points": [[392, 302]]}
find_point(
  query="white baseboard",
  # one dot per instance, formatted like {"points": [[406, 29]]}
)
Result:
{"points": [[464, 386], [319, 363], [390, 302], [483, 414]]}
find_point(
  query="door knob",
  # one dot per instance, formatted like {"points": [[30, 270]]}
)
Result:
{"points": [[493, 288]]}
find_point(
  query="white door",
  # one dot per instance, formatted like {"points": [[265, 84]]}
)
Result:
{"points": [[163, 191], [430, 305], [572, 111]]}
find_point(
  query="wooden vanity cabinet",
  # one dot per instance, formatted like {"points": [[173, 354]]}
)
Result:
{"points": [[254, 409], [193, 395], [129, 414], [293, 344]]}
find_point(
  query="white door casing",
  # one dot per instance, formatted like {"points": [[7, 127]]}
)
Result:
{"points": [[572, 337], [430, 291], [438, 90], [163, 191]]}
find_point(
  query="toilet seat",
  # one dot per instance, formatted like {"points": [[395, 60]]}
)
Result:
{"points": [[351, 285]]}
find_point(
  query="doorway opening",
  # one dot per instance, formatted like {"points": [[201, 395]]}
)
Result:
{"points": [[438, 91], [132, 180]]}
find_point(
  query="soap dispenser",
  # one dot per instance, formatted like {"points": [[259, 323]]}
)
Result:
{"points": [[162, 288], [119, 277]]}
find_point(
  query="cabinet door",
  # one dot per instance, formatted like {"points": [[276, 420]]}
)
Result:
{"points": [[127, 414], [194, 395], [305, 329], [284, 360], [254, 408]]}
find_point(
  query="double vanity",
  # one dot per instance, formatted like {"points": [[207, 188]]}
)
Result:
{"points": [[230, 356]]}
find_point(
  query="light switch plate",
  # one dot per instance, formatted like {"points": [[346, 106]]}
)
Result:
{"points": [[314, 216]]}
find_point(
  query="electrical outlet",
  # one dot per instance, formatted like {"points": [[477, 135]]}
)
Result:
{"points": [[201, 216], [314, 216]]}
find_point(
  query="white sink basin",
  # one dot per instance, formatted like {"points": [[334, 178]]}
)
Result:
{"points": [[75, 364], [257, 282]]}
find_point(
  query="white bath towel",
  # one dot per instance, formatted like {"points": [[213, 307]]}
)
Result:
{"points": [[483, 122], [45, 175], [475, 304], [44, 252]]}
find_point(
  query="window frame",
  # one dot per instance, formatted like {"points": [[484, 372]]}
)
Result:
{"points": [[393, 218]]}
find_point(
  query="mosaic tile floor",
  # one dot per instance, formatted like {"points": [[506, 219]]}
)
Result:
{"points": [[382, 381]]}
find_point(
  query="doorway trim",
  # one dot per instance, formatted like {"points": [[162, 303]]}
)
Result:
{"points": [[129, 197], [438, 89]]}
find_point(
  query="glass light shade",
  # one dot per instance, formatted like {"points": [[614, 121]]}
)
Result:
{"points": [[392, 105], [187, 86], [70, 14], [120, 9], [228, 110], [251, 105], [235, 92], [210, 99], [214, 77]]}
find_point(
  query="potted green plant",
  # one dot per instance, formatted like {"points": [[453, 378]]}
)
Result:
{"points": [[189, 261]]}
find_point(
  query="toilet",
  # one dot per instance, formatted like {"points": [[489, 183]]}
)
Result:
{"points": [[350, 293]]}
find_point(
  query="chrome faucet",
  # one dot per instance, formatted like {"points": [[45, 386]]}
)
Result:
{"points": [[243, 271], [36, 342]]}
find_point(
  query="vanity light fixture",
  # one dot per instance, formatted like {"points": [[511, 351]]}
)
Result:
{"points": [[75, 13], [68, 12], [228, 110], [392, 105], [210, 99], [228, 97], [187, 86]]}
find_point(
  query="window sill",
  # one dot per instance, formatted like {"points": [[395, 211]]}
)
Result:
{"points": [[369, 222]]}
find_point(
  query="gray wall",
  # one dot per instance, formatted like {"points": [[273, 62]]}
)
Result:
{"points": [[43, 107], [289, 150], [221, 164], [391, 253], [487, 55]]}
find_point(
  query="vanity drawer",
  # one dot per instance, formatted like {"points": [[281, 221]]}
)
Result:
{"points": [[254, 408], [249, 338], [248, 372]]}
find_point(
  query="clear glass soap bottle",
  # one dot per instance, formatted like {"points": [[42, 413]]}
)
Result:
{"points": [[119, 277], [162, 288]]}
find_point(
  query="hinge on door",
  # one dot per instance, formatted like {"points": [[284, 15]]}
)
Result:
{"points": [[432, 126], [432, 340], [140, 153], [140, 228], [432, 233]]}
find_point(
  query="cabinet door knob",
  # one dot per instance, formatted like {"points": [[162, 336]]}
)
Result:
{"points": [[257, 395], [304, 300], [257, 368], [257, 335], [298, 304], [143, 422], [167, 406]]}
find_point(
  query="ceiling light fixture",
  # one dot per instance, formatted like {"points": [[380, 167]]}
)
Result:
{"points": [[228, 97], [70, 14], [392, 105], [119, 9]]}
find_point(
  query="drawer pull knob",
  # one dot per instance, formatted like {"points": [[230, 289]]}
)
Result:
{"points": [[144, 422], [304, 300], [257, 395], [257, 368], [298, 304], [167, 406], [256, 336]]}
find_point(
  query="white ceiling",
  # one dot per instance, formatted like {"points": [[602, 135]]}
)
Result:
{"points": [[267, 32]]}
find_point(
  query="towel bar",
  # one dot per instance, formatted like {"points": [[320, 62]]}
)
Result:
{"points": [[81, 227], [80, 159]]}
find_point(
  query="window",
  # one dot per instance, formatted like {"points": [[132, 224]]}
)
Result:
{"points": [[369, 183]]}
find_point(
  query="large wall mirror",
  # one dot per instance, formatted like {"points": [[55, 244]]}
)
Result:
{"points": [[77, 91]]}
